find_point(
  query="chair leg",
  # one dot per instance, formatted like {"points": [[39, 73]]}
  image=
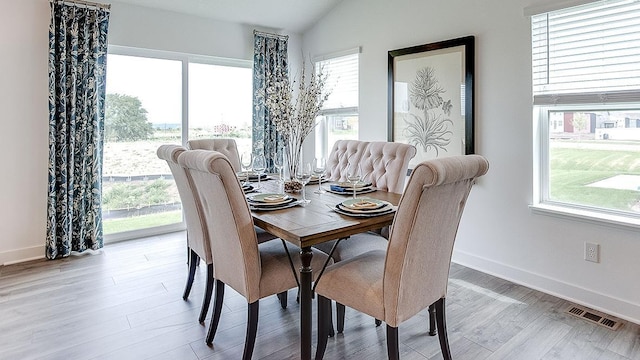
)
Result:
{"points": [[193, 261], [324, 317], [252, 330], [217, 308], [442, 329], [393, 350], [432, 320], [339, 317], [207, 294], [283, 299]]}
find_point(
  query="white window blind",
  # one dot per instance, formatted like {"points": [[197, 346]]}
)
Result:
{"points": [[587, 54], [342, 82]]}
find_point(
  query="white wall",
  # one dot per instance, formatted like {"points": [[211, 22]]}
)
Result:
{"points": [[24, 26], [498, 233]]}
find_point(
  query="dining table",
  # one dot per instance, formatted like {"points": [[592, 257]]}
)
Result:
{"points": [[315, 222]]}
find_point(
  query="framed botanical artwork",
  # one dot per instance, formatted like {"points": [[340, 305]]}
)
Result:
{"points": [[431, 98]]}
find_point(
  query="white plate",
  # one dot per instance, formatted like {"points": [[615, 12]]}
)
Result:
{"points": [[293, 203], [365, 215]]}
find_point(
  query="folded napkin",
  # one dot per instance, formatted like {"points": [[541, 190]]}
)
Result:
{"points": [[338, 188], [364, 204], [274, 198]]}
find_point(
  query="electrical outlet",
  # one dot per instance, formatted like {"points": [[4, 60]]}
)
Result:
{"points": [[592, 252]]}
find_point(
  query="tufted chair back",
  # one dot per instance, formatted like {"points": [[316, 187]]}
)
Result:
{"points": [[197, 234], [384, 163], [423, 233], [227, 147]]}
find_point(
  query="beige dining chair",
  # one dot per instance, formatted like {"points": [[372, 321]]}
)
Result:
{"points": [[227, 147], [253, 270], [197, 234], [396, 284], [385, 165]]}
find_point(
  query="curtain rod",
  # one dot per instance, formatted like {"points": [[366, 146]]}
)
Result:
{"points": [[87, 4], [275, 36]]}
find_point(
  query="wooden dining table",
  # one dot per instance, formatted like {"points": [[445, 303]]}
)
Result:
{"points": [[312, 224]]}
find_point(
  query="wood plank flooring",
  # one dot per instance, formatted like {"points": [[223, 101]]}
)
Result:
{"points": [[125, 302]]}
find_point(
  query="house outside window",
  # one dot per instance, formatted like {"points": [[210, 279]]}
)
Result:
{"points": [[586, 96]]}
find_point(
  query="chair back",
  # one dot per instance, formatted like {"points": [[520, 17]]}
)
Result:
{"points": [[227, 147], [423, 233], [197, 234], [226, 213], [384, 163]]}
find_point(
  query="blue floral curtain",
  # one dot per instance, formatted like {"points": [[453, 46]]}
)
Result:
{"points": [[269, 59], [77, 74]]}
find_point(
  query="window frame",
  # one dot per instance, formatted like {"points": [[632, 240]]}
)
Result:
{"points": [[544, 102], [185, 59], [322, 130]]}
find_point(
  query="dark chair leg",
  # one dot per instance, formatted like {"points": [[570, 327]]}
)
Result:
{"points": [[441, 321], [207, 294], [283, 299], [217, 308], [324, 315], [393, 350], [193, 261], [339, 317], [432, 320], [252, 329]]}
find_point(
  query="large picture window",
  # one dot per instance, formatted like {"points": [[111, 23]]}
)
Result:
{"points": [[586, 95], [156, 98]]}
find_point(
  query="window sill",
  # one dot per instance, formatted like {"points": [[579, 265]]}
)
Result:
{"points": [[617, 221]]}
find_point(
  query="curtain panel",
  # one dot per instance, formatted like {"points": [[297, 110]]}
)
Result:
{"points": [[77, 75], [269, 59]]}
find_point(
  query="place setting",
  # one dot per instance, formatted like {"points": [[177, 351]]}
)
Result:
{"points": [[364, 207], [347, 188], [263, 201]]}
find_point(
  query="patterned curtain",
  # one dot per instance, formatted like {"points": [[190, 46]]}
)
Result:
{"points": [[77, 74], [269, 58]]}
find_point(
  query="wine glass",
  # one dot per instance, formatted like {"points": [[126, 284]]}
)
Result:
{"points": [[278, 164], [319, 166], [259, 165], [246, 160], [354, 175], [303, 176]]}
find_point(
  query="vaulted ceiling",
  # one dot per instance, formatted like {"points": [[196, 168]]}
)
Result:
{"points": [[287, 15]]}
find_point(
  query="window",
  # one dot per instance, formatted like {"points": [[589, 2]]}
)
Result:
{"points": [[146, 91], [339, 115], [586, 95]]}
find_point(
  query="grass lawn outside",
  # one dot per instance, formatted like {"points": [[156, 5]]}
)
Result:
{"points": [[573, 169]]}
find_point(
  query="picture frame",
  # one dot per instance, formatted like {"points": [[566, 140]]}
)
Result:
{"points": [[431, 98]]}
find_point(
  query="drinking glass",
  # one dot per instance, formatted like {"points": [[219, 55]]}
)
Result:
{"points": [[246, 160], [303, 176], [259, 166], [354, 175], [279, 165], [319, 166]]}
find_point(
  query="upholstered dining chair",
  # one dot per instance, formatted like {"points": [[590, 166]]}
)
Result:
{"points": [[385, 165], [412, 274], [197, 235], [227, 147], [253, 270]]}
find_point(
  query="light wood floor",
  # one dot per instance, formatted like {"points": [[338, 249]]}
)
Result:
{"points": [[125, 303]]}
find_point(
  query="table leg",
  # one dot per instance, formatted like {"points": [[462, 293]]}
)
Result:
{"points": [[305, 302]]}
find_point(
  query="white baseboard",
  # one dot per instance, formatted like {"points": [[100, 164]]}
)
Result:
{"points": [[22, 255], [620, 308]]}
